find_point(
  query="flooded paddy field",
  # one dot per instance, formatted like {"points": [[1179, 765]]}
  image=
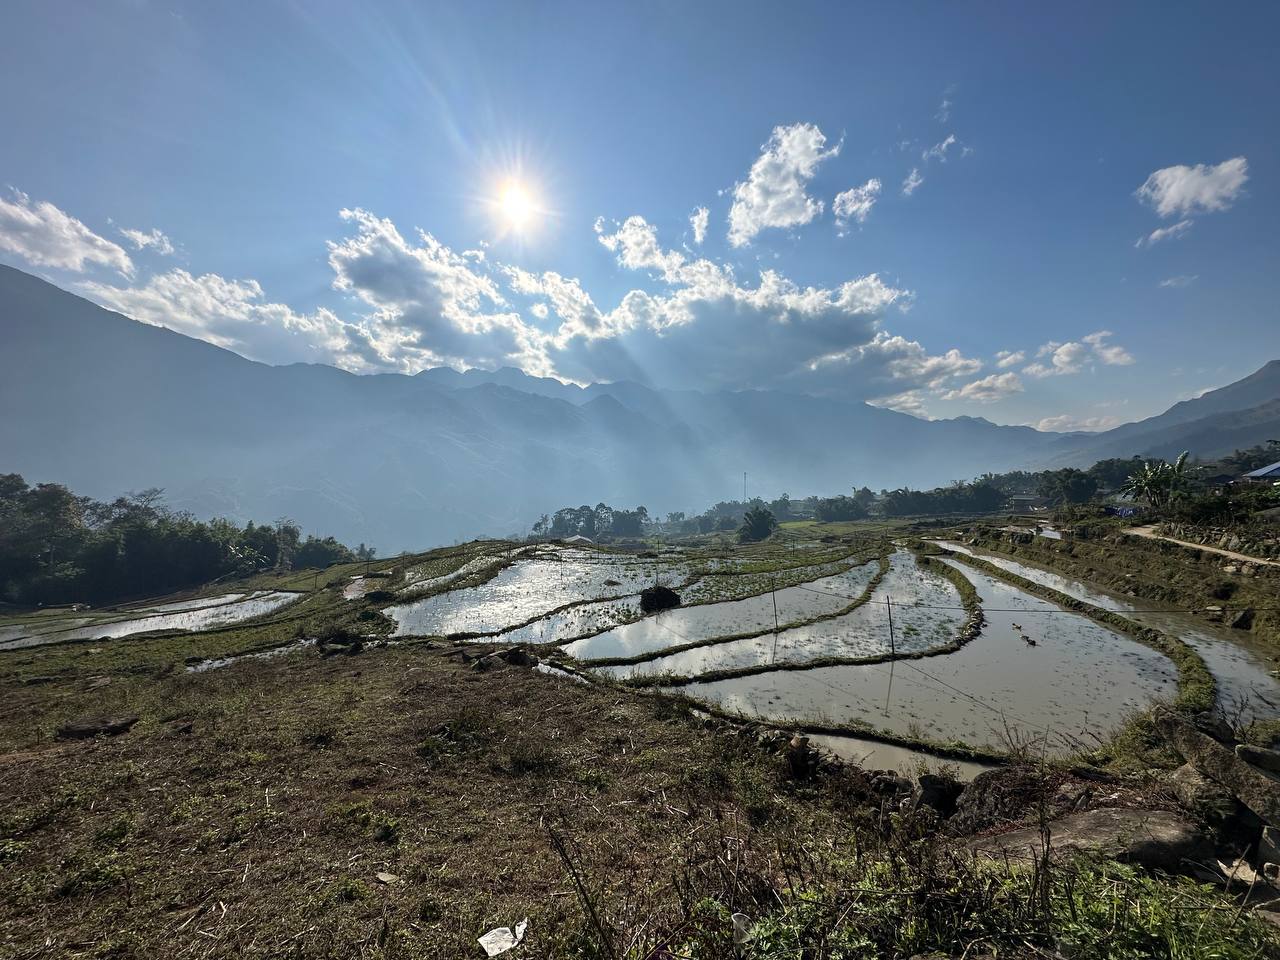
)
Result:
{"points": [[1245, 684], [576, 621], [1077, 683], [926, 614], [875, 755], [181, 615], [691, 624], [530, 588]]}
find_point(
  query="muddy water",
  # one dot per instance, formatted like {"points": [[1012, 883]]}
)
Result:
{"points": [[874, 755], [528, 589], [202, 618], [707, 621], [1242, 670], [1079, 681], [918, 626]]}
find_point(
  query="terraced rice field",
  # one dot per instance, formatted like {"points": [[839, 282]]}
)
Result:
{"points": [[179, 615], [531, 588], [1078, 682]]}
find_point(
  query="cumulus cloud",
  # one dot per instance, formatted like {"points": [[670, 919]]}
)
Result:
{"points": [[1173, 232], [698, 221], [230, 313], [1009, 358], [44, 236], [1064, 359], [1114, 356], [1182, 280], [1183, 190], [773, 195], [427, 306], [856, 203], [989, 389], [1069, 423], [912, 182], [155, 239]]}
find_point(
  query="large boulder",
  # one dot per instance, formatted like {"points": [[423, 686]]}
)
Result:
{"points": [[937, 792], [1150, 838], [1000, 796], [1255, 788], [658, 597], [1268, 760]]}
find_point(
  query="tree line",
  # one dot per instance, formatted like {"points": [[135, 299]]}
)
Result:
{"points": [[58, 547]]}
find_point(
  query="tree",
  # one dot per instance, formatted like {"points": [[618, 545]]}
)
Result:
{"points": [[758, 524], [834, 509], [864, 497], [1067, 486]]}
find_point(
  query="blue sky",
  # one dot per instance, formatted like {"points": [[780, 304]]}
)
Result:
{"points": [[190, 164]]}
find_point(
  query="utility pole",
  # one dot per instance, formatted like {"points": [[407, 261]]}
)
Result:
{"points": [[889, 606], [744, 489], [892, 655], [773, 579]]}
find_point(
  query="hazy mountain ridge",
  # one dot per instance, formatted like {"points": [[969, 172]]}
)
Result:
{"points": [[407, 461]]}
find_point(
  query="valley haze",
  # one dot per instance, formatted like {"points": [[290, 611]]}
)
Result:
{"points": [[107, 404]]}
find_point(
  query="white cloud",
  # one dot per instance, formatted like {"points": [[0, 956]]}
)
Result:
{"points": [[540, 310], [1172, 232], [856, 203], [1069, 358], [1200, 189], [1068, 423], [944, 111], [428, 305], [1009, 358], [1180, 281], [939, 150], [1111, 355], [698, 220], [773, 195], [989, 389], [142, 239], [44, 236], [231, 314], [912, 183], [636, 244]]}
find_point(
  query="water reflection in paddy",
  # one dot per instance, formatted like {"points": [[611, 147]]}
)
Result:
{"points": [[1245, 685], [1081, 679], [528, 589], [217, 612], [926, 616], [706, 621]]}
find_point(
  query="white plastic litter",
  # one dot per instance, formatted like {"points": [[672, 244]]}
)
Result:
{"points": [[501, 939]]}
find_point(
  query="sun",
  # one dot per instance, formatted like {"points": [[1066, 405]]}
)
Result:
{"points": [[516, 205]]}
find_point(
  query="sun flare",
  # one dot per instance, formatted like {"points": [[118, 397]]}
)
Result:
{"points": [[516, 205]]}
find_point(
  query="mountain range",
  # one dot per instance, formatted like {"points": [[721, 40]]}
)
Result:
{"points": [[106, 404]]}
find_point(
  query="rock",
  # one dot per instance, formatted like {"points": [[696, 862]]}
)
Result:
{"points": [[998, 796], [1256, 789], [518, 657], [1259, 757], [1203, 797], [1243, 620], [1269, 845], [937, 792], [1151, 838], [657, 597], [1230, 568], [1271, 871], [100, 726], [1216, 726]]}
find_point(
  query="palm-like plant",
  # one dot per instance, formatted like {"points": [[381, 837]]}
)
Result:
{"points": [[1159, 482]]}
